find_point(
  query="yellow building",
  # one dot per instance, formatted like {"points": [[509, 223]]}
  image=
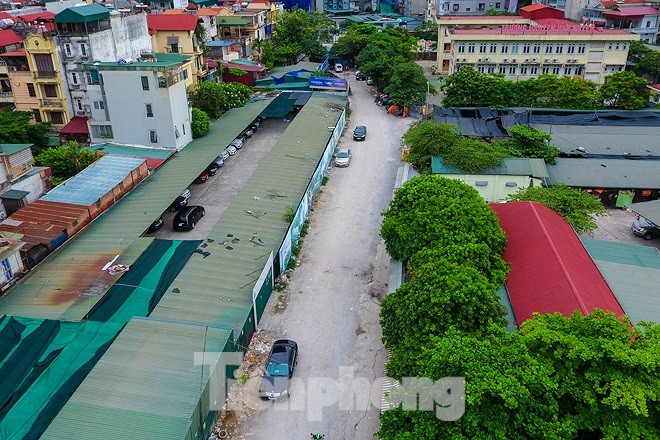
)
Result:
{"points": [[175, 33], [47, 85], [544, 46]]}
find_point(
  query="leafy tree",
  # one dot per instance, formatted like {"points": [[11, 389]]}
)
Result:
{"points": [[15, 128], [236, 71], [349, 45], [493, 12], [300, 33], [650, 65], [638, 50], [429, 211], [473, 155], [551, 91], [440, 295], [470, 88], [426, 139], [200, 123], [428, 32], [408, 84], [576, 207], [526, 141], [267, 55], [67, 160], [216, 98], [383, 51], [625, 90]]}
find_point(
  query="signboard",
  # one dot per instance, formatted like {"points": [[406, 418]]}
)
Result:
{"points": [[328, 83]]}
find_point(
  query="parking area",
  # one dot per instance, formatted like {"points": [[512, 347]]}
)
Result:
{"points": [[615, 226], [216, 194]]}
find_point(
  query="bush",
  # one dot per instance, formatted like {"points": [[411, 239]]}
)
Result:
{"points": [[200, 123]]}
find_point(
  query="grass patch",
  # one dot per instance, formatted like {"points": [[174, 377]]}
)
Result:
{"points": [[324, 181], [289, 214]]}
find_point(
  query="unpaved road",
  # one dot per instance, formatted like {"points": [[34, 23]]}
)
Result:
{"points": [[331, 304]]}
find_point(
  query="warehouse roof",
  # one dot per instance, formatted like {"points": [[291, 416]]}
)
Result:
{"points": [[146, 386], [511, 166], [83, 14], [605, 173], [155, 156], [95, 181], [648, 210], [551, 270], [633, 273]]}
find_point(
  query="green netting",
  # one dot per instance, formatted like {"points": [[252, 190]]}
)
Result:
{"points": [[44, 368], [138, 291]]}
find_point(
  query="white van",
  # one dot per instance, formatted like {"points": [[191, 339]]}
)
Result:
{"points": [[339, 68]]}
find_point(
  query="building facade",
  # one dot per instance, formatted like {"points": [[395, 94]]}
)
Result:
{"points": [[440, 8]]}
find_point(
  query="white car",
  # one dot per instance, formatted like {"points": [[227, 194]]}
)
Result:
{"points": [[339, 68], [224, 155], [237, 143], [231, 150], [342, 157]]}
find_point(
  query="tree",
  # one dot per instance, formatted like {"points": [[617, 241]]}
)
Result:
{"points": [[15, 128], [626, 90], [429, 211], [408, 85], [349, 45], [300, 33], [469, 88], [383, 51], [200, 124], [551, 91], [650, 65], [576, 207], [426, 139], [439, 296], [216, 98], [638, 50], [579, 377], [526, 141], [267, 55], [473, 155], [66, 161]]}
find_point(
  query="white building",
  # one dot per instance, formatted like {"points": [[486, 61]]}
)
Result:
{"points": [[144, 102]]}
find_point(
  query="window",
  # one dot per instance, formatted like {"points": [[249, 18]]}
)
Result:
{"points": [[526, 47], [104, 131], [555, 70], [176, 132], [482, 48], [470, 47], [150, 111], [514, 48], [512, 70], [534, 70], [67, 50], [610, 46], [145, 82], [481, 68], [74, 78], [502, 69], [617, 46], [455, 7], [560, 48], [482, 7], [491, 68], [50, 90], [505, 47], [37, 115], [153, 137], [577, 70], [121, 186], [582, 47], [44, 64], [523, 70], [83, 50], [548, 48], [99, 105], [467, 9], [79, 104], [571, 48], [461, 48], [92, 77], [184, 74], [625, 46], [545, 70], [183, 126], [57, 118], [493, 48], [31, 90], [567, 70], [537, 47], [498, 5]]}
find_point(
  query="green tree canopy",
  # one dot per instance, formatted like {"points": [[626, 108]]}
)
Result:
{"points": [[526, 141], [300, 33], [408, 85], [625, 90], [474, 155], [551, 91], [383, 51], [469, 88], [425, 139], [67, 160], [15, 128], [650, 65], [576, 207], [638, 50], [349, 45], [429, 211], [200, 123], [216, 98]]}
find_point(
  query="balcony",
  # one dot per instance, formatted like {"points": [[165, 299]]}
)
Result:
{"points": [[52, 103], [6, 97], [43, 76]]}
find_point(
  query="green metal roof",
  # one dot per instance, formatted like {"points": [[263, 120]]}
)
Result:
{"points": [[229, 21], [204, 2], [648, 210], [14, 194], [83, 14], [633, 273], [217, 288], [283, 70], [9, 149], [146, 386], [605, 173], [55, 290], [162, 62], [511, 166], [131, 150]]}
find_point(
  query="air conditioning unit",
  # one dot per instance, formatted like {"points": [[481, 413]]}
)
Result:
{"points": [[555, 61], [527, 60], [75, 86], [514, 60], [506, 60], [81, 113], [534, 60]]}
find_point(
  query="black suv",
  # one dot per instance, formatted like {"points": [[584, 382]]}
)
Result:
{"points": [[187, 217]]}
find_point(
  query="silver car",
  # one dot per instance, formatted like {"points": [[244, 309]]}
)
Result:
{"points": [[237, 143], [231, 150], [342, 157]]}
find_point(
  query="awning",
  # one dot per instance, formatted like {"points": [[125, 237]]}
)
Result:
{"points": [[77, 125], [14, 194]]}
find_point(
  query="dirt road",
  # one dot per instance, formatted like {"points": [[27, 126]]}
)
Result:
{"points": [[332, 301]]}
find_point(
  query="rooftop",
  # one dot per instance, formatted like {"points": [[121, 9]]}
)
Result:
{"points": [[83, 14], [605, 173], [9, 149], [547, 26], [9, 37], [631, 12], [161, 62], [648, 210], [511, 166], [231, 20], [168, 22]]}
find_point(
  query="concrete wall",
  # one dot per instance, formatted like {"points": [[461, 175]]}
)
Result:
{"points": [[33, 184]]}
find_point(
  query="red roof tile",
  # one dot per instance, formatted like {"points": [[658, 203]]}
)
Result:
{"points": [[534, 7], [169, 22], [9, 37], [609, 3], [5, 16], [551, 270], [77, 125], [632, 11], [16, 53]]}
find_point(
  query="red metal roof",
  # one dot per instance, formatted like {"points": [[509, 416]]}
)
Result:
{"points": [[9, 37], [47, 18], [609, 3], [544, 26], [631, 12], [171, 22], [551, 270], [534, 7], [245, 67], [5, 16], [77, 125], [15, 53]]}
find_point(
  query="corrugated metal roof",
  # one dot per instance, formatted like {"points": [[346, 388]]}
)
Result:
{"points": [[95, 181], [510, 166], [132, 150], [633, 273], [8, 149], [62, 281], [83, 14], [146, 386], [551, 270], [14, 194], [605, 173], [648, 210], [217, 288], [302, 65]]}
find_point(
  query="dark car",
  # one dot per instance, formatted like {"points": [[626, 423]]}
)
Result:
{"points": [[645, 228], [360, 133], [359, 76], [187, 217], [279, 369], [248, 132], [214, 166], [156, 225], [256, 123], [180, 201], [202, 177]]}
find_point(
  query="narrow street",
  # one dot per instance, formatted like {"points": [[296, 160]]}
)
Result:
{"points": [[331, 304]]}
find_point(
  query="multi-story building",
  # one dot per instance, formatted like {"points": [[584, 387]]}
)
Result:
{"points": [[441, 8], [145, 102], [175, 33], [641, 20], [525, 47], [22, 86], [9, 42]]}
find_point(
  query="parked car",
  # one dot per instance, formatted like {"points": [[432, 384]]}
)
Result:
{"points": [[645, 229], [370, 80], [231, 150], [256, 123], [339, 68], [360, 133], [248, 132], [359, 76], [202, 177], [180, 201], [260, 118], [187, 217], [279, 369], [342, 157], [224, 155], [254, 127], [237, 143], [156, 225], [214, 166]]}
